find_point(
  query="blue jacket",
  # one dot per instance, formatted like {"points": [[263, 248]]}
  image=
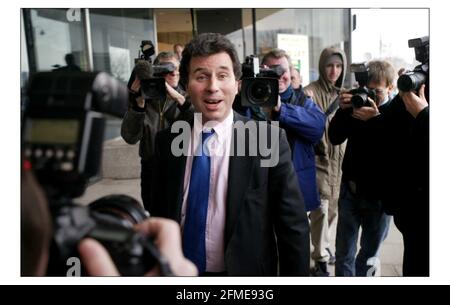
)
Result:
{"points": [[304, 123]]}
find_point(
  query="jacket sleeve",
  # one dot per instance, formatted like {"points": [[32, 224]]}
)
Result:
{"points": [[340, 126], [307, 121], [290, 220], [421, 128], [186, 111], [132, 127]]}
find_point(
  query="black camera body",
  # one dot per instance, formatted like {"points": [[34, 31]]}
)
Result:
{"points": [[153, 84], [362, 93], [110, 221], [147, 49], [413, 80], [64, 124], [62, 139], [259, 86], [154, 87]]}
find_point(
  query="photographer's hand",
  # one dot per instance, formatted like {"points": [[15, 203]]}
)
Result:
{"points": [[168, 241], [413, 103], [175, 95], [345, 100], [277, 108], [135, 87], [98, 262], [366, 113]]}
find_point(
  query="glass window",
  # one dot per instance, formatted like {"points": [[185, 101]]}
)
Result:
{"points": [[225, 21], [303, 33], [59, 38], [116, 38], [173, 26], [389, 39], [24, 69]]}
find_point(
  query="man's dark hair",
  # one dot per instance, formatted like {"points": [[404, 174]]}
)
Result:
{"points": [[204, 45]]}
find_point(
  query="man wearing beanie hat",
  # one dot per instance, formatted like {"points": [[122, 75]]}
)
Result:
{"points": [[332, 66]]}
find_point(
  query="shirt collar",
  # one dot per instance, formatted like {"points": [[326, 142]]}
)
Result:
{"points": [[222, 130], [385, 101]]}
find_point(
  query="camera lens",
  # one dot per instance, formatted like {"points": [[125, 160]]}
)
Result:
{"points": [[259, 92], [411, 81], [120, 208], [359, 100]]}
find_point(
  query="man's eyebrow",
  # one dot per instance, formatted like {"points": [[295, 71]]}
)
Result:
{"points": [[202, 69]]}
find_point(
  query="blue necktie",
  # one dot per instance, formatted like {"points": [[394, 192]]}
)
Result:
{"points": [[194, 247]]}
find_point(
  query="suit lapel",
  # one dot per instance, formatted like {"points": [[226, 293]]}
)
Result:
{"points": [[239, 174], [176, 168]]}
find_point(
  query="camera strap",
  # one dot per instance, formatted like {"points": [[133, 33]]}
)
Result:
{"points": [[333, 106]]}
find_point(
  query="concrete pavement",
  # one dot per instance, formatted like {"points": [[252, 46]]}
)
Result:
{"points": [[391, 252]]}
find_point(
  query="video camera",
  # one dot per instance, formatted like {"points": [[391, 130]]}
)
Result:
{"points": [[62, 132], [259, 85], [153, 84], [413, 80], [360, 94]]}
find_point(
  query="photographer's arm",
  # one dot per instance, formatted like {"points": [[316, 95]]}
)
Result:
{"points": [[166, 232], [175, 95], [340, 126], [133, 123], [132, 127], [307, 121]]}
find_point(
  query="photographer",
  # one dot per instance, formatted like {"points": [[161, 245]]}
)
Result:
{"points": [[406, 160], [145, 118], [406, 197], [304, 124], [61, 151], [332, 68], [359, 198]]}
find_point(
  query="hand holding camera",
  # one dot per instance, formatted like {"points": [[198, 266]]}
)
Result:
{"points": [[62, 139], [166, 235], [366, 112], [135, 89], [175, 95], [345, 98], [414, 103]]}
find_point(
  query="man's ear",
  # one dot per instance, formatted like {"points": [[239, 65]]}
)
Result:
{"points": [[390, 88]]}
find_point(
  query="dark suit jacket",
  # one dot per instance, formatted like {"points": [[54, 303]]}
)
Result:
{"points": [[266, 226]]}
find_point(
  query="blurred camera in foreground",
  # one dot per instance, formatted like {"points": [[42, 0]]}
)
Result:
{"points": [[62, 140]]}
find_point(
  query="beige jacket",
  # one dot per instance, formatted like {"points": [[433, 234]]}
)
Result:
{"points": [[328, 157]]}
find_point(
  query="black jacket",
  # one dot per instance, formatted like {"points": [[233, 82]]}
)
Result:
{"points": [[405, 160], [266, 226], [363, 152]]}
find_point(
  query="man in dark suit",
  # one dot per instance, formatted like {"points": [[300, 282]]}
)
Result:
{"points": [[244, 213]]}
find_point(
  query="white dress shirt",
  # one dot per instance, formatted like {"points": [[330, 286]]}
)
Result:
{"points": [[219, 146]]}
